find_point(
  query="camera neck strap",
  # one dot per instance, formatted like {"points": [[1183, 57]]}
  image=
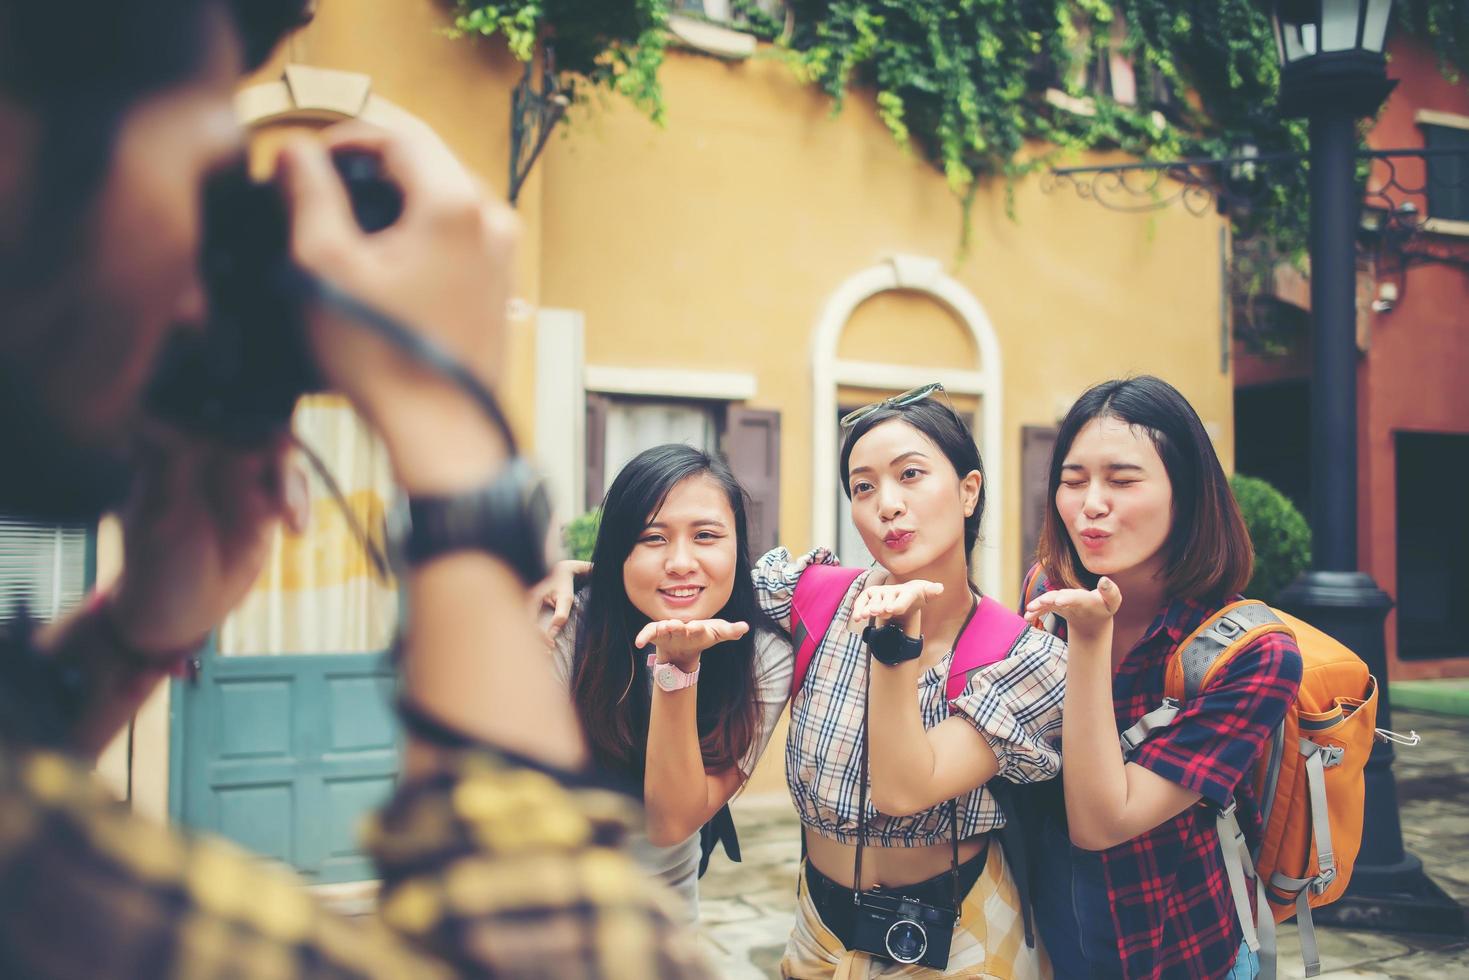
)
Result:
{"points": [[417, 346], [952, 805]]}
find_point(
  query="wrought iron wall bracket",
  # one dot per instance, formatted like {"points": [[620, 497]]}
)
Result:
{"points": [[537, 104], [1199, 184], [1152, 185], [1395, 195]]}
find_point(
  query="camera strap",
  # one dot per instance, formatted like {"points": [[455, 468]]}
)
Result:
{"points": [[422, 349], [952, 806]]}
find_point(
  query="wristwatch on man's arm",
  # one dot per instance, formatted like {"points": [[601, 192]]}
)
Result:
{"points": [[509, 518]]}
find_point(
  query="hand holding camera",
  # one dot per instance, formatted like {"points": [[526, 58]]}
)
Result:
{"points": [[197, 531], [443, 268]]}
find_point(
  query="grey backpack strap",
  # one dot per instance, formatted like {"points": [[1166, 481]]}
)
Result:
{"points": [[1217, 636], [1160, 717], [1198, 658], [1210, 641]]}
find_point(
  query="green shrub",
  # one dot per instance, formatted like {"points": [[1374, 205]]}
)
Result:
{"points": [[1281, 536], [580, 535]]}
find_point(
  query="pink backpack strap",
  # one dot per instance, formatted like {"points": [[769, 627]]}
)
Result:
{"points": [[991, 635], [818, 596]]}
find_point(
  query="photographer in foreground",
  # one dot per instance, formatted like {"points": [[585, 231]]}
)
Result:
{"points": [[496, 856]]}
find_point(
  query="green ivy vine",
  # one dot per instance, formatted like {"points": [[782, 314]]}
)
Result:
{"points": [[610, 44], [965, 82]]}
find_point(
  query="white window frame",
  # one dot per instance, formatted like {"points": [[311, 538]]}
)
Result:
{"points": [[563, 380], [923, 275], [1445, 120]]}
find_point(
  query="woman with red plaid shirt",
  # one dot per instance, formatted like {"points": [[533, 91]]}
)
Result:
{"points": [[1144, 542]]}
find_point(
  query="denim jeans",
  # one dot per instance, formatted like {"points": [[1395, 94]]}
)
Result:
{"points": [[1072, 913], [1246, 964]]}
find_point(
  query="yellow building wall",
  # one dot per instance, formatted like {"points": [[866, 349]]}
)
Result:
{"points": [[713, 243]]}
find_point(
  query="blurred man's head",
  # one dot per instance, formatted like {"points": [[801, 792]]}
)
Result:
{"points": [[111, 115]]}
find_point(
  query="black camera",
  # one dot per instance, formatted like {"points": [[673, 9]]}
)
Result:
{"points": [[903, 929], [239, 379]]}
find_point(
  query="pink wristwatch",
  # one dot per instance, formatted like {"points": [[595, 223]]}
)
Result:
{"points": [[669, 677]]}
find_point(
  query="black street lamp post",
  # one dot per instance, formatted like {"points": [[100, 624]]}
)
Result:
{"points": [[1333, 72]]}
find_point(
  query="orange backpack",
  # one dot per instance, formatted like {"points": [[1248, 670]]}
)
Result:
{"points": [[1309, 782]]}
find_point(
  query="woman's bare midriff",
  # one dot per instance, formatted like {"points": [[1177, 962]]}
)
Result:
{"points": [[889, 866]]}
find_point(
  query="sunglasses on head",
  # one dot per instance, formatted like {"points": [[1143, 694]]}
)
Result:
{"points": [[896, 401]]}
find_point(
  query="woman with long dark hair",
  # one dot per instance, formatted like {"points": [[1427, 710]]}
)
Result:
{"points": [[1143, 544], [677, 675]]}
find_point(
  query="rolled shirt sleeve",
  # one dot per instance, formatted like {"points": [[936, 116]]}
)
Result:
{"points": [[776, 575], [1015, 705], [1216, 738]]}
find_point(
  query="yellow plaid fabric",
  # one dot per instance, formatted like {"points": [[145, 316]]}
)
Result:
{"points": [[989, 940], [489, 869]]}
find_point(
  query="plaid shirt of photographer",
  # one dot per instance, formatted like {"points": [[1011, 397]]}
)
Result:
{"points": [[492, 866]]}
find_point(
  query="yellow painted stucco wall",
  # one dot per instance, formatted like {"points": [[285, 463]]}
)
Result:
{"points": [[713, 242]]}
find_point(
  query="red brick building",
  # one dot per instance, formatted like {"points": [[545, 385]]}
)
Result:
{"points": [[1413, 377]]}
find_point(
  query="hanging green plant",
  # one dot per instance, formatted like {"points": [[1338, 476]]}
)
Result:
{"points": [[611, 44], [997, 88]]}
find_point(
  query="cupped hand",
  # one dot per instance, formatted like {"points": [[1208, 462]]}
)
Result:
{"points": [[1086, 611], [902, 602], [196, 533], [681, 643]]}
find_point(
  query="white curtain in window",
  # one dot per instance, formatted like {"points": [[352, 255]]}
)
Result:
{"points": [[319, 593], [635, 426], [43, 568]]}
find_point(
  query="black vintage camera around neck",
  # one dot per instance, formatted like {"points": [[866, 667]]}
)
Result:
{"points": [[239, 379], [905, 930]]}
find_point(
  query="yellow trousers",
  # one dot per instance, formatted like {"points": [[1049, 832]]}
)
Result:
{"points": [[989, 940]]}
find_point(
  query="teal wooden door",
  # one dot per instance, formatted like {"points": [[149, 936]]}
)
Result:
{"points": [[285, 754]]}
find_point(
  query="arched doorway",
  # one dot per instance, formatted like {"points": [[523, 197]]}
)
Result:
{"points": [[982, 381]]}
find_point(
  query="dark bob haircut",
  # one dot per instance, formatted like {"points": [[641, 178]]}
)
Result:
{"points": [[943, 426], [1209, 556]]}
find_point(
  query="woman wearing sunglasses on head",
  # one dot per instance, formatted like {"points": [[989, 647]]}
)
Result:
{"points": [[887, 760], [888, 771]]}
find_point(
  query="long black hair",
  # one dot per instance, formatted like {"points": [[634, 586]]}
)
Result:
{"points": [[946, 429], [608, 685]]}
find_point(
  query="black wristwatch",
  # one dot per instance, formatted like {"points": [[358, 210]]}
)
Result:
{"points": [[508, 518], [890, 645]]}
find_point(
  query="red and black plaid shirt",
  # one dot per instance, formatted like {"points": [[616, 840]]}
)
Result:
{"points": [[1171, 907]]}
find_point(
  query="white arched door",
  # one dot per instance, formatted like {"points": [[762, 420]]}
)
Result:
{"points": [[980, 380]]}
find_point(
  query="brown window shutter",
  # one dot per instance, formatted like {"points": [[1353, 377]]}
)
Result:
{"points": [[752, 446], [1036, 445], [596, 449]]}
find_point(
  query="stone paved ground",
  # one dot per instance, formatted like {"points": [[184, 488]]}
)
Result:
{"points": [[747, 908]]}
